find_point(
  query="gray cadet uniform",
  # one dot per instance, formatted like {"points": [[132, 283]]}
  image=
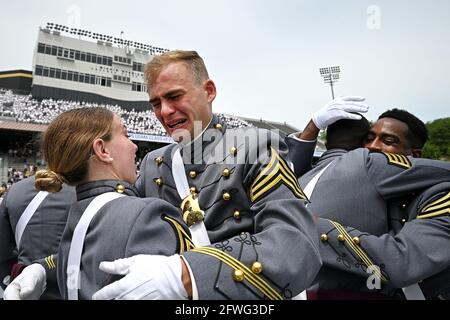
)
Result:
{"points": [[372, 192], [43, 232], [122, 228], [264, 243], [413, 255]]}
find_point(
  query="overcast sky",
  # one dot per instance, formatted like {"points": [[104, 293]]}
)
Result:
{"points": [[264, 55]]}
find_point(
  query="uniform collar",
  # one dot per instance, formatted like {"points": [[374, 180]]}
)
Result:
{"points": [[209, 135], [95, 188]]}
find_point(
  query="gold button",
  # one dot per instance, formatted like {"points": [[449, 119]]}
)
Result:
{"points": [[193, 190], [237, 215], [159, 160], [233, 151], [324, 237], [159, 182], [226, 172], [120, 188], [218, 126], [356, 240], [192, 174], [238, 275], [257, 267], [403, 220], [226, 196], [341, 237]]}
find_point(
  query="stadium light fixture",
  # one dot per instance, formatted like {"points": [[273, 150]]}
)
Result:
{"points": [[330, 75]]}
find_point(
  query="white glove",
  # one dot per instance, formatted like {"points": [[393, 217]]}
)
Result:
{"points": [[338, 109], [147, 277], [29, 285]]}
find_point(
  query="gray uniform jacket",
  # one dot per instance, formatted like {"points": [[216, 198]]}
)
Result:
{"points": [[41, 236], [264, 243], [372, 193], [122, 228]]}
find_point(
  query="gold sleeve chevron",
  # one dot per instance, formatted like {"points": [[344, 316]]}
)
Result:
{"points": [[184, 240], [436, 208], [358, 250], [254, 279], [275, 173], [398, 160], [50, 262]]}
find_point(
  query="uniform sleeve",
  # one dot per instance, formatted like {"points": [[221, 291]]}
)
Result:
{"points": [[157, 230], [300, 154], [279, 258], [396, 175], [415, 253], [8, 253]]}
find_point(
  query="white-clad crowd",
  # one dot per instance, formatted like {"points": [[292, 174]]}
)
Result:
{"points": [[24, 108]]}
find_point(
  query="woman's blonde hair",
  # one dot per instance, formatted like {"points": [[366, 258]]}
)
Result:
{"points": [[67, 146]]}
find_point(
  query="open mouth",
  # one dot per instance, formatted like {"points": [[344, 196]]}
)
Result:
{"points": [[177, 124]]}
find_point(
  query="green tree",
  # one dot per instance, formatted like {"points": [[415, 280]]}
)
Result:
{"points": [[438, 144]]}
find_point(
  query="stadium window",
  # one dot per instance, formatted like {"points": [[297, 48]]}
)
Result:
{"points": [[108, 82], [60, 52], [38, 71], [81, 77], [54, 51], [64, 74], [58, 74], [66, 53], [133, 86], [104, 61], [41, 48], [138, 87], [109, 61], [83, 56], [87, 79], [103, 82], [72, 54], [92, 79], [88, 57], [99, 59], [52, 72], [48, 49], [75, 76], [45, 72], [77, 55], [70, 75]]}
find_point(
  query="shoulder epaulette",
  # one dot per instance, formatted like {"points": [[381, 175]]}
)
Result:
{"points": [[398, 160], [275, 173]]}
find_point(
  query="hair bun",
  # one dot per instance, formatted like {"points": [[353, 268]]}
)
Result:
{"points": [[47, 180]]}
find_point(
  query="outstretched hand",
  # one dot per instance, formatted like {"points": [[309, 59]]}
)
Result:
{"points": [[29, 285], [147, 277], [339, 108]]}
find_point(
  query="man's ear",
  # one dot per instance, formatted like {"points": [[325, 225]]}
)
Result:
{"points": [[101, 152], [210, 89], [416, 153]]}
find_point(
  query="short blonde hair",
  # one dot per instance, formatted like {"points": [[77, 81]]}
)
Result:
{"points": [[191, 58], [67, 146]]}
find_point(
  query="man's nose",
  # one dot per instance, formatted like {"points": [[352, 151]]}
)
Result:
{"points": [[166, 108], [374, 145]]}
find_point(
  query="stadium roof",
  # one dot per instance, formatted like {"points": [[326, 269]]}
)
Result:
{"points": [[20, 126], [284, 128]]}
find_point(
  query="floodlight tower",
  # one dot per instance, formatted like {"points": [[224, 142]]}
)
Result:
{"points": [[330, 75]]}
